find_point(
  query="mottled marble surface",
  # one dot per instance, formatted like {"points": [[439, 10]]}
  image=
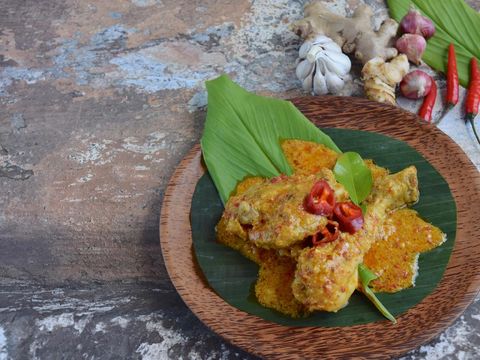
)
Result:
{"points": [[99, 101]]}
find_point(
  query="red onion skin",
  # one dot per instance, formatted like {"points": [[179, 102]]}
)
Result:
{"points": [[416, 84], [416, 23], [413, 46]]}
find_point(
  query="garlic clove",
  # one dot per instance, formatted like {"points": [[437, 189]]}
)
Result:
{"points": [[336, 62], [319, 84], [322, 39], [331, 48], [314, 52], [321, 67], [304, 68], [334, 82], [327, 43], [307, 83], [302, 53]]}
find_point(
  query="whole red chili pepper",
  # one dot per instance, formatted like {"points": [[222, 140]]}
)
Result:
{"points": [[320, 200], [473, 95], [426, 109], [452, 78], [328, 234], [349, 216]]}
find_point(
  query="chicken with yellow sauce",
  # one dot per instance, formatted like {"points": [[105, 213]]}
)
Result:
{"points": [[270, 213], [268, 221], [327, 275]]}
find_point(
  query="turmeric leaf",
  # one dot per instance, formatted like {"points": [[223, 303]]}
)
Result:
{"points": [[366, 275], [243, 132]]}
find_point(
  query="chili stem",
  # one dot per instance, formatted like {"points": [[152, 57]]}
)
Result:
{"points": [[474, 130]]}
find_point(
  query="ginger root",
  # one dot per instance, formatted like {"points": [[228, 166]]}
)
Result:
{"points": [[354, 35], [380, 78]]}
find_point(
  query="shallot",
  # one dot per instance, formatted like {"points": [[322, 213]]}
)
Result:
{"points": [[416, 84], [416, 23], [413, 46]]}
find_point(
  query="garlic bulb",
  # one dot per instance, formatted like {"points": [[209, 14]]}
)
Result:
{"points": [[322, 67]]}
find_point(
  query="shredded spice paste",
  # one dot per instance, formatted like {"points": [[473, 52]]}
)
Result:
{"points": [[394, 259]]}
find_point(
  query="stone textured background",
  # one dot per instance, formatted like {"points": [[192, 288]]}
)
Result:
{"points": [[99, 101]]}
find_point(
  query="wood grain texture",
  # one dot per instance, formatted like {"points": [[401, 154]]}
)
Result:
{"points": [[457, 289]]}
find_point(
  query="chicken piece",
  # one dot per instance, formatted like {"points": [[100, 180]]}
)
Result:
{"points": [[273, 288], [241, 244], [271, 215], [378, 172], [393, 191], [327, 275]]}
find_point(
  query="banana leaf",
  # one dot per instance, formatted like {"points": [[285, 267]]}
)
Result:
{"points": [[232, 276], [243, 131], [455, 22]]}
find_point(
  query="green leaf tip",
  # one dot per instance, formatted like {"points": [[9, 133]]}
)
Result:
{"points": [[366, 276], [351, 171], [242, 134], [363, 206]]}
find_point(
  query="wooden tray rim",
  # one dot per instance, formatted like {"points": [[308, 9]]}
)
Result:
{"points": [[277, 341]]}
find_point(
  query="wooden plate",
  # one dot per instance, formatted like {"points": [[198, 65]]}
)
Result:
{"points": [[455, 292]]}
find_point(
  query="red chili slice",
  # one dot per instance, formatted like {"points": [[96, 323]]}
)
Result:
{"points": [[321, 199], [349, 216], [328, 234]]}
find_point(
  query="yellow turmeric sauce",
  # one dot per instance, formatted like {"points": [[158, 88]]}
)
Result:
{"points": [[307, 157], [273, 288], [395, 258]]}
